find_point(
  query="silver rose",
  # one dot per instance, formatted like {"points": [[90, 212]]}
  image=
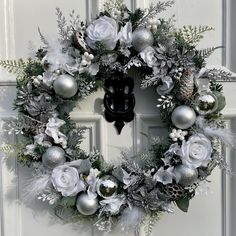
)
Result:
{"points": [[149, 56], [104, 30], [196, 151], [66, 180]]}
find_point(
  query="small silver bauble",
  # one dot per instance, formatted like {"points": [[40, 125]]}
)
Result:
{"points": [[65, 86], [142, 38], [187, 176], [86, 205], [107, 186], [53, 157], [206, 103], [183, 117]]}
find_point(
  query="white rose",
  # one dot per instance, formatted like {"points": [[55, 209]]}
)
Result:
{"points": [[126, 34], [66, 180], [149, 56], [196, 151], [103, 30]]}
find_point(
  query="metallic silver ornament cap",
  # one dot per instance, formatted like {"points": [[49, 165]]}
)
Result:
{"points": [[86, 205], [183, 117], [65, 86]]}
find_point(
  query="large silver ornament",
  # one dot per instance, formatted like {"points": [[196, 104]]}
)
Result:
{"points": [[183, 117], [206, 103], [53, 157], [107, 186], [142, 38], [65, 86], [86, 205], [185, 175]]}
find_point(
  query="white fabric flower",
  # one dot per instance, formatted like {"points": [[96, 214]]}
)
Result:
{"points": [[166, 86], [196, 151], [104, 30], [113, 204], [126, 34], [164, 176], [53, 130], [149, 56], [91, 180], [66, 180]]}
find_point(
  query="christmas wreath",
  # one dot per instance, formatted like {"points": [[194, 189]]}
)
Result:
{"points": [[66, 70]]}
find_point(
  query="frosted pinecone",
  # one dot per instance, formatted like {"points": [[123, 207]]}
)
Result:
{"points": [[186, 85]]}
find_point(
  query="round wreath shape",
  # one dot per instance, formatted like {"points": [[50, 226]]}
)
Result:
{"points": [[70, 68]]}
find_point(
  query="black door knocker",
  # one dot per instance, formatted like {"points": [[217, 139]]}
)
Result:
{"points": [[119, 100]]}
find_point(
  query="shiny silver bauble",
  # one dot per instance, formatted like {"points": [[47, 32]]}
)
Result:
{"points": [[186, 175], [107, 186], [53, 157], [206, 104], [142, 38], [183, 117], [86, 205], [65, 86]]}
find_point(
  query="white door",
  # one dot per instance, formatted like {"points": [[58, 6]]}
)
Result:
{"points": [[211, 215]]}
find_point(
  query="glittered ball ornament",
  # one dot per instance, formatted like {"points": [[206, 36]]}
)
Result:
{"points": [[185, 175], [183, 117], [206, 104], [53, 157], [65, 86], [86, 205], [107, 186], [142, 38]]}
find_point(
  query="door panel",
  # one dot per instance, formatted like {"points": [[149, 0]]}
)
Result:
{"points": [[18, 23]]}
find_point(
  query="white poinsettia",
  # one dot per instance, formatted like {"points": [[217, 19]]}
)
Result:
{"points": [[112, 205], [164, 176], [196, 151], [53, 130], [66, 180], [149, 56], [126, 34], [104, 30]]}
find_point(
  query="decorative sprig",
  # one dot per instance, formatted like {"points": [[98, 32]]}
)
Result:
{"points": [[14, 66], [218, 74], [150, 221], [63, 29], [192, 34], [153, 11], [113, 4], [206, 52]]}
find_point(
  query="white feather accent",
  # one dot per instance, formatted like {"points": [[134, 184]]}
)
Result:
{"points": [[36, 185], [131, 219], [226, 136]]}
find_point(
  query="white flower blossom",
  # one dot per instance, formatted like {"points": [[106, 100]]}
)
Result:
{"points": [[104, 30], [53, 130], [149, 56], [164, 176], [196, 151], [113, 204], [66, 180], [126, 35]]}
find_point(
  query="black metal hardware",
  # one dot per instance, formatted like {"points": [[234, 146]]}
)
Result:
{"points": [[119, 100]]}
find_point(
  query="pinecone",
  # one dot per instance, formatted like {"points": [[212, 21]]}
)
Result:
{"points": [[186, 85], [173, 191]]}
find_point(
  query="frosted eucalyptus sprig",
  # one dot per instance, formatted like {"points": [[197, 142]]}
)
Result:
{"points": [[153, 11], [165, 102]]}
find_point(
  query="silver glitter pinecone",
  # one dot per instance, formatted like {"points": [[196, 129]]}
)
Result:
{"points": [[186, 85]]}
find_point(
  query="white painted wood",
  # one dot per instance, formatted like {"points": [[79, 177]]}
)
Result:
{"points": [[209, 215]]}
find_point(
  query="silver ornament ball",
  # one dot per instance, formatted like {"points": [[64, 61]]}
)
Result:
{"points": [[65, 86], [53, 157], [183, 117], [206, 103], [86, 205], [142, 38], [187, 176], [107, 186]]}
